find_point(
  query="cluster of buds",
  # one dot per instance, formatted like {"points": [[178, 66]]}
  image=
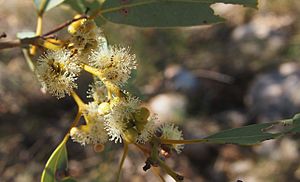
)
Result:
{"points": [[113, 114]]}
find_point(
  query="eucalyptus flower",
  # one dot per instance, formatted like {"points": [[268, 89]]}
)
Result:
{"points": [[120, 116], [57, 72], [115, 63], [148, 130], [93, 132], [170, 131]]}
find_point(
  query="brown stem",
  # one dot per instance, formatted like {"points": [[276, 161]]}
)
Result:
{"points": [[156, 171], [169, 171], [34, 40], [18, 43], [10, 44], [125, 152], [143, 149], [194, 141], [28, 59], [58, 28]]}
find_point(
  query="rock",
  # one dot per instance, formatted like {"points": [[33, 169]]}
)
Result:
{"points": [[169, 107], [231, 118], [262, 26], [263, 36], [180, 79], [275, 95]]}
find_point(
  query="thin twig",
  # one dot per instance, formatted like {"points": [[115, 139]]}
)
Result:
{"points": [[10, 44], [34, 40], [125, 152], [18, 43], [156, 171], [28, 59], [58, 28], [194, 141], [213, 75]]}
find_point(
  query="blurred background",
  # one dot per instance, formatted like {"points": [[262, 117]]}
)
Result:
{"points": [[205, 79]]}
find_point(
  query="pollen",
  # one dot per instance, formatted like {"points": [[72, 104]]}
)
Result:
{"points": [[115, 63], [170, 131], [120, 116], [148, 130], [93, 132], [86, 36], [57, 73]]}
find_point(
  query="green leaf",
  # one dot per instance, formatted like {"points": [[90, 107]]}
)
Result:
{"points": [[248, 135], [164, 13], [81, 6], [45, 5], [68, 179], [295, 123], [23, 35], [56, 165], [248, 3]]}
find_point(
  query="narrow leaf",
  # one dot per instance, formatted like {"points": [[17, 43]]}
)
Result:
{"points": [[56, 165], [81, 6], [248, 135], [247, 3], [68, 179], [295, 124], [23, 35], [45, 5], [164, 13]]}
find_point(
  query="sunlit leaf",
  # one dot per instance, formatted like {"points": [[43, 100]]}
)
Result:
{"points": [[45, 5], [247, 135], [83, 6], [295, 123], [23, 35], [56, 165], [164, 13], [68, 179]]}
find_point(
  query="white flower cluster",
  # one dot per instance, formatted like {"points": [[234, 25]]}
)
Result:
{"points": [[112, 115], [122, 119], [93, 132], [170, 131], [115, 63], [85, 38], [57, 72], [117, 119]]}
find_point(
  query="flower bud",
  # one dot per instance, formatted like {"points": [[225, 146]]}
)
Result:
{"points": [[141, 115], [104, 108], [74, 27], [130, 135]]}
